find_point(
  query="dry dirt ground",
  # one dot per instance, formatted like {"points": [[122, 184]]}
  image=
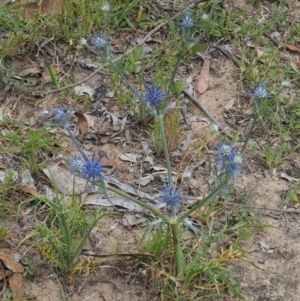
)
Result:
{"points": [[274, 250]]}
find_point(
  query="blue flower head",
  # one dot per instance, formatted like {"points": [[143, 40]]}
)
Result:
{"points": [[62, 117], [171, 197], [260, 93], [92, 170], [187, 21], [76, 165], [98, 41], [154, 96], [224, 149], [229, 160]]}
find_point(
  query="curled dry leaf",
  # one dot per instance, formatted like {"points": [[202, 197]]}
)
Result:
{"points": [[29, 190], [104, 138], [139, 15], [28, 71], [82, 90], [203, 81], [83, 123], [16, 280], [111, 163], [293, 48]]}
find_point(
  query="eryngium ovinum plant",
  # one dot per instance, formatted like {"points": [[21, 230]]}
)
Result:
{"points": [[228, 159]]}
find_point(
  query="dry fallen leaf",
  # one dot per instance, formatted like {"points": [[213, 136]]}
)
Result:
{"points": [[16, 280], [29, 190], [28, 71], [244, 285], [104, 139], [111, 163], [293, 48], [260, 53], [139, 15], [203, 82], [84, 90], [83, 123], [3, 274]]}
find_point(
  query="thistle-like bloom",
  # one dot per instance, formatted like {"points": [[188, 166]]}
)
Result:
{"points": [[260, 93], [105, 7], [92, 170], [205, 17], [44, 112], [62, 117], [286, 83], [229, 160], [76, 164], [154, 96], [98, 41], [83, 41], [171, 197], [214, 128], [187, 21]]}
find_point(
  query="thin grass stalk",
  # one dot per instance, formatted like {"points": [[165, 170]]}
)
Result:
{"points": [[84, 156], [202, 202], [250, 132], [176, 66], [165, 148], [88, 232], [110, 61], [179, 258]]}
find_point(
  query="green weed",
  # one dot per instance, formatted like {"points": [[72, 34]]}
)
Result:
{"points": [[7, 191], [29, 269], [3, 232], [66, 231]]}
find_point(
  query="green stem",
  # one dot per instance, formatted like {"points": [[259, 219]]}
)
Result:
{"points": [[84, 156], [250, 132], [91, 226], [110, 61], [136, 201], [176, 66], [179, 259], [201, 203], [165, 147]]}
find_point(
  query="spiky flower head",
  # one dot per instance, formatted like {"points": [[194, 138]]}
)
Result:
{"points": [[98, 41], [92, 170], [214, 128], [44, 112], [154, 96], [83, 41], [229, 160], [171, 197], [205, 17], [187, 21], [224, 149], [62, 117], [105, 7], [76, 165], [260, 93], [286, 83]]}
